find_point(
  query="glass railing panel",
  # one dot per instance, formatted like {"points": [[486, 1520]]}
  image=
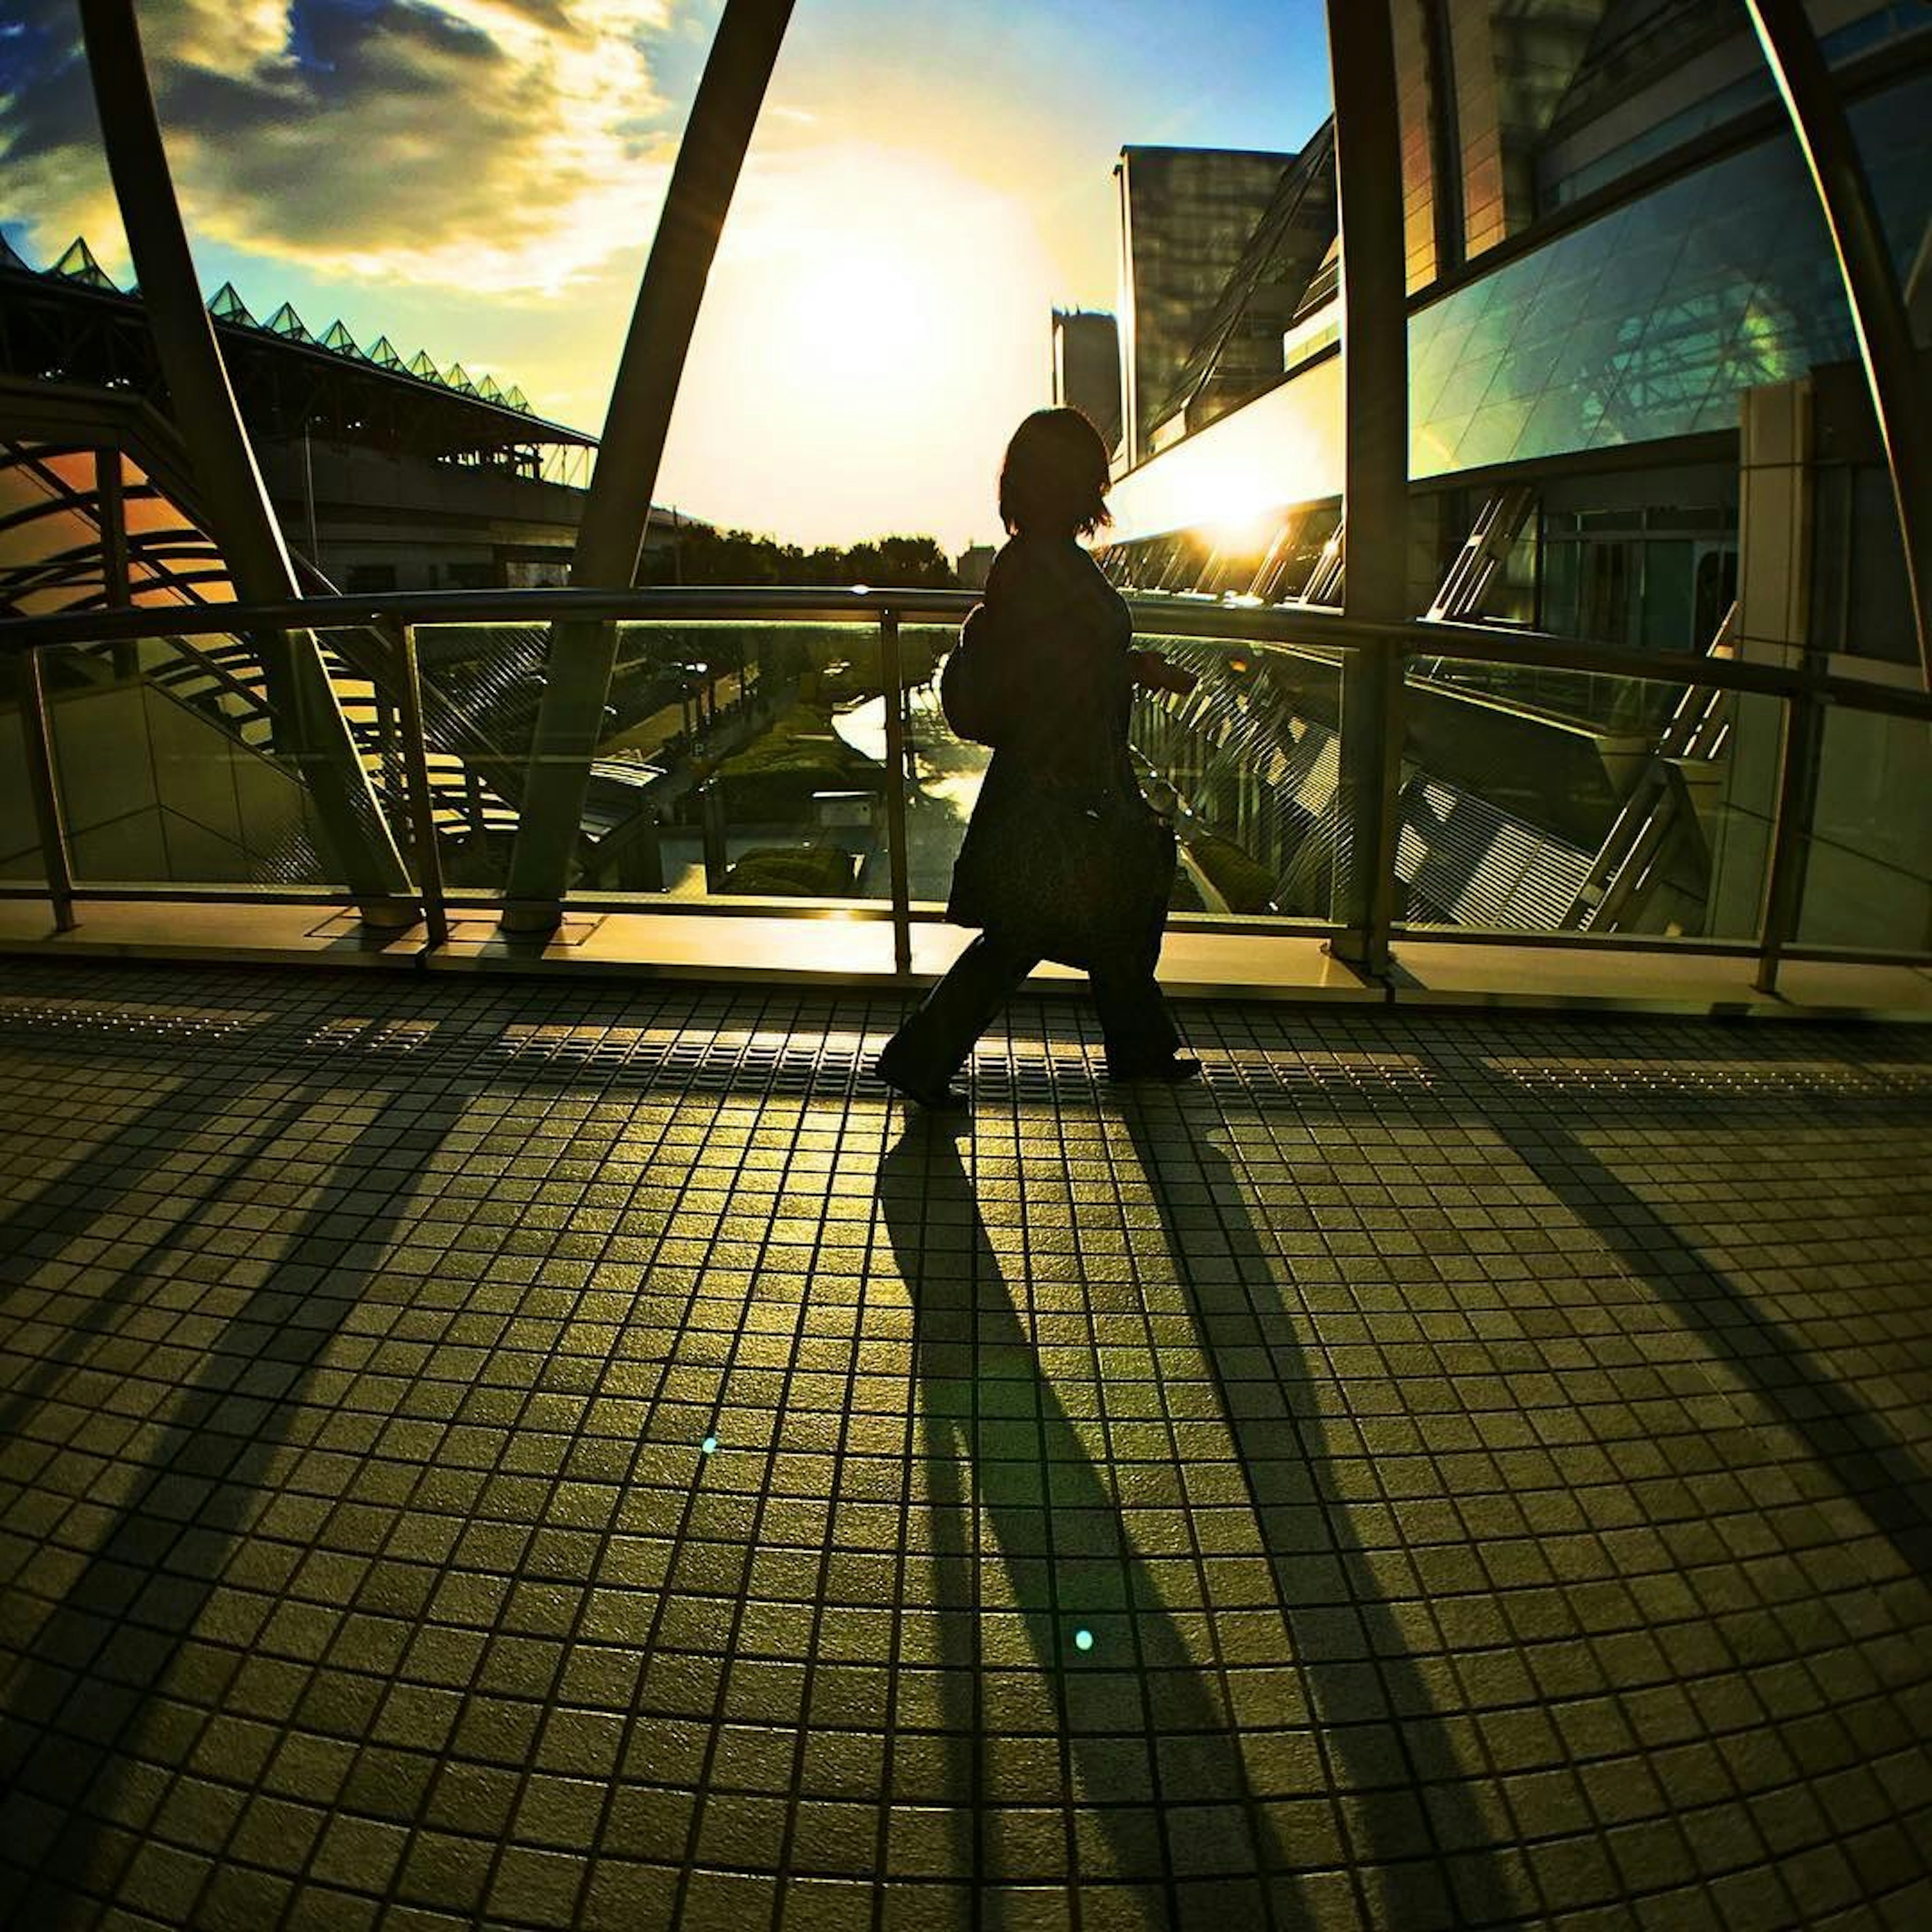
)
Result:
{"points": [[177, 765], [1245, 765], [1867, 879], [1248, 764], [738, 760], [946, 770], [21, 863], [480, 686], [1540, 799]]}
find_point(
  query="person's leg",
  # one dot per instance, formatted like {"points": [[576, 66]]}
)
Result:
{"points": [[930, 1048], [1134, 1022]]}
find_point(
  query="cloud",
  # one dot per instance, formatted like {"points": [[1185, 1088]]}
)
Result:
{"points": [[510, 146]]}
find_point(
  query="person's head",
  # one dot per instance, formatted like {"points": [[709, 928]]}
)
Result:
{"points": [[1054, 481]]}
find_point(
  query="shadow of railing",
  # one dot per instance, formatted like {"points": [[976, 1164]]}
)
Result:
{"points": [[1865, 1455]]}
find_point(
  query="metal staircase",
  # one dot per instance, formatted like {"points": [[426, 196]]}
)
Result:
{"points": [[1660, 806]]}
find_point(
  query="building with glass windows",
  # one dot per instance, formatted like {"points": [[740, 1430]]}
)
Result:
{"points": [[1636, 418], [1186, 216], [1087, 368]]}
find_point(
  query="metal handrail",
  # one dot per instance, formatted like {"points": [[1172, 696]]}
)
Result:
{"points": [[1154, 615], [393, 618]]}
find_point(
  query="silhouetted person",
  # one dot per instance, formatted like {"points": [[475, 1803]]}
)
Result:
{"points": [[1065, 644]]}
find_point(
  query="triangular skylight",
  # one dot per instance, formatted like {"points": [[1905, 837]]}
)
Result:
{"points": [[10, 257], [487, 389], [226, 305], [78, 264], [419, 365], [383, 354], [518, 400], [285, 323], [458, 377], [337, 338]]}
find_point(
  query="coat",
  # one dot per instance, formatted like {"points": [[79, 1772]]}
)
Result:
{"points": [[1064, 636]]}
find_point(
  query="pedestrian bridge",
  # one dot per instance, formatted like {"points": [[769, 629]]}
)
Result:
{"points": [[573, 1453]]}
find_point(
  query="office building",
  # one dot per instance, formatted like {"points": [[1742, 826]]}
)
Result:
{"points": [[1087, 369], [1186, 216]]}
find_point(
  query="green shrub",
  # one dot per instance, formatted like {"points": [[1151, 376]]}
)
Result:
{"points": [[806, 872], [773, 777], [1245, 882]]}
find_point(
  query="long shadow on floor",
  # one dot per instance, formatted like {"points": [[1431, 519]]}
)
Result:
{"points": [[69, 1203], [102, 1307], [1865, 1455], [1421, 1829], [85, 1689], [1136, 1710]]}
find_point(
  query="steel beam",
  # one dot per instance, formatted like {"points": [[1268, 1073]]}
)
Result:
{"points": [[582, 656], [308, 721], [1375, 375], [1800, 747], [111, 513], [421, 788], [1872, 291]]}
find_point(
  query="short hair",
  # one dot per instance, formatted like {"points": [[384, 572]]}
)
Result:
{"points": [[1054, 480]]}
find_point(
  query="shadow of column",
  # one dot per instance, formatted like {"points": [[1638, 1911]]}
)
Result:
{"points": [[69, 1203], [104, 1306], [1863, 1455], [1104, 1698], [72, 1730], [1424, 1834]]}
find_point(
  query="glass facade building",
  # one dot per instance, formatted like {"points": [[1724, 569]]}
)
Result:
{"points": [[1186, 215], [1615, 258]]}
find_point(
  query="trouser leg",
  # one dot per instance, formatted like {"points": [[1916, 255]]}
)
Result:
{"points": [[934, 1042], [1135, 1022]]}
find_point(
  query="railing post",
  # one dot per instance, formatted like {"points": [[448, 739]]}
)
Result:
{"points": [[1372, 725], [1797, 754], [1375, 501], [421, 792], [714, 834], [892, 675], [47, 816]]}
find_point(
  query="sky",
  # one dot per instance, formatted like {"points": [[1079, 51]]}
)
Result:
{"points": [[481, 178]]}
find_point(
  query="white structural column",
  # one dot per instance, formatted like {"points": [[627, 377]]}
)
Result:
{"points": [[1375, 374], [306, 718], [1879, 316], [582, 655]]}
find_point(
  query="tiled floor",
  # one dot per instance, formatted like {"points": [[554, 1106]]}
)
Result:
{"points": [[542, 1453]]}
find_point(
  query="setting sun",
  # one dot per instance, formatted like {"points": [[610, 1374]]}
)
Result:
{"points": [[874, 325]]}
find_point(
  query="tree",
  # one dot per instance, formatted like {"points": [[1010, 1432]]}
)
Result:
{"points": [[703, 555]]}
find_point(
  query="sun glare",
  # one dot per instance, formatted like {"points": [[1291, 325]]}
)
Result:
{"points": [[841, 308], [875, 325]]}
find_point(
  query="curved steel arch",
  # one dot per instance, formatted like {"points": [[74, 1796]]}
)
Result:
{"points": [[582, 656], [307, 718], [1872, 291]]}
